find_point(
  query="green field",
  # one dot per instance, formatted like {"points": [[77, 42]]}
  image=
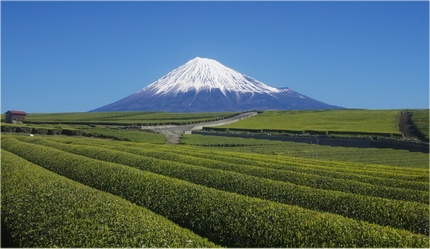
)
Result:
{"points": [[420, 118], [125, 118], [103, 186], [367, 121], [315, 151]]}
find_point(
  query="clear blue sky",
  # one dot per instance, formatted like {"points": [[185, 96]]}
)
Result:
{"points": [[77, 56]]}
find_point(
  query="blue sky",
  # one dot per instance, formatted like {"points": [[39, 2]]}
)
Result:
{"points": [[77, 56]]}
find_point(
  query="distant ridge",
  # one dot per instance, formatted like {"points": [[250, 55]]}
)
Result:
{"points": [[205, 85]]}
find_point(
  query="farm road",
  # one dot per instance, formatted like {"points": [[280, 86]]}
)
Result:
{"points": [[173, 133]]}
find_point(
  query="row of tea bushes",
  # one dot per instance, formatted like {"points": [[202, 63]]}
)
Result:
{"points": [[385, 171], [286, 132], [226, 218], [40, 130], [195, 159], [400, 214], [43, 209], [328, 183]]}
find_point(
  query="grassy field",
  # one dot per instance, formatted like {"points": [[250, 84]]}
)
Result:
{"points": [[421, 120], [370, 121], [125, 118]]}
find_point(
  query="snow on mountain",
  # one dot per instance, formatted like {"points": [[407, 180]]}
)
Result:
{"points": [[207, 74], [205, 85]]}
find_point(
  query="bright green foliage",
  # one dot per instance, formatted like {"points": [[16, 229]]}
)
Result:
{"points": [[285, 162], [420, 118], [126, 135], [368, 121], [100, 132], [43, 209], [303, 150], [312, 180], [406, 215], [226, 218], [126, 118]]}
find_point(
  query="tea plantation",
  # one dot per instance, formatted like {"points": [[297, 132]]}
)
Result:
{"points": [[60, 191], [331, 121]]}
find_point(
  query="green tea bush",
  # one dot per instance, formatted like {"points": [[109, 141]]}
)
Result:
{"points": [[226, 218], [43, 209]]}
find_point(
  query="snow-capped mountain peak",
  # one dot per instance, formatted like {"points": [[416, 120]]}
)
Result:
{"points": [[205, 85], [201, 74]]}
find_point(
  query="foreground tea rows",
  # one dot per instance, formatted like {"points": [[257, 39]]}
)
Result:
{"points": [[401, 214], [42, 209], [204, 202]]}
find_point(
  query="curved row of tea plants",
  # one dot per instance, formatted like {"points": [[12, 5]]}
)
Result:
{"points": [[408, 174], [296, 166], [417, 191], [43, 209], [303, 150], [226, 218], [381, 168], [322, 167], [322, 182], [407, 215], [399, 177], [317, 181]]}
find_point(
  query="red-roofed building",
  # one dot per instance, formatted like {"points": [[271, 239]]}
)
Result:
{"points": [[15, 116]]}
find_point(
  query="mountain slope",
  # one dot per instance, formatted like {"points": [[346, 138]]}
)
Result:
{"points": [[204, 85]]}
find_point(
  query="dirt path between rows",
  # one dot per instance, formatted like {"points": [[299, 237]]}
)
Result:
{"points": [[173, 133]]}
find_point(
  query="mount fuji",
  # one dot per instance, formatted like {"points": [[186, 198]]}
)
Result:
{"points": [[205, 85]]}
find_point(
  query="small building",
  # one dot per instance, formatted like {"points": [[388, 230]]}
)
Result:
{"points": [[15, 116]]}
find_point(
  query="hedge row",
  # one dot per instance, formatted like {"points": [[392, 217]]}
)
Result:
{"points": [[293, 166], [310, 132], [323, 182], [40, 130], [43, 209], [226, 218], [260, 160], [101, 121], [407, 215], [418, 177], [386, 176], [338, 165]]}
